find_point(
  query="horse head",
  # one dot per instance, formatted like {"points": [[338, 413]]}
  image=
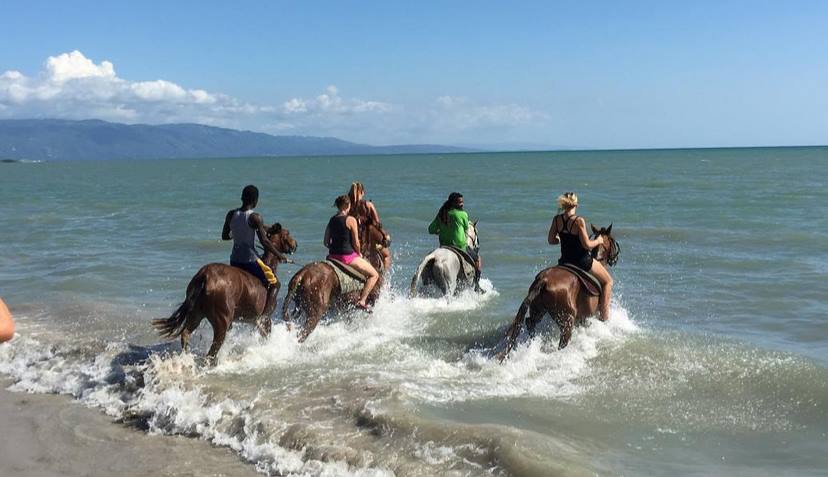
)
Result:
{"points": [[608, 251], [281, 239], [472, 240], [376, 238]]}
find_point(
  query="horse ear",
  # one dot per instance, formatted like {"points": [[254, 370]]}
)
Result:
{"points": [[475, 223], [594, 230], [609, 229]]}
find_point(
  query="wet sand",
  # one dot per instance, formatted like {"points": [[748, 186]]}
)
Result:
{"points": [[51, 436]]}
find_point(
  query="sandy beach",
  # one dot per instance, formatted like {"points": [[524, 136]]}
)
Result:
{"points": [[49, 435]]}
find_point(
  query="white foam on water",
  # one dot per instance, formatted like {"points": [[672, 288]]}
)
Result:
{"points": [[166, 390], [168, 400], [393, 317], [534, 368], [465, 300]]}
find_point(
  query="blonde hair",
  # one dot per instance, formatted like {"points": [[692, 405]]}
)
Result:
{"points": [[567, 200], [356, 188]]}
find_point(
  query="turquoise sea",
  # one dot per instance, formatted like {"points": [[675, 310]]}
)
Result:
{"points": [[715, 361]]}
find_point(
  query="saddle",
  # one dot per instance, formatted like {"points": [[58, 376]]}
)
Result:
{"points": [[465, 261], [588, 280], [350, 280]]}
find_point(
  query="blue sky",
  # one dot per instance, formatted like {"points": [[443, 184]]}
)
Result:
{"points": [[572, 74]]}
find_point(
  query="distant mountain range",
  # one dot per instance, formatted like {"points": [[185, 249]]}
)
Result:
{"points": [[60, 140]]}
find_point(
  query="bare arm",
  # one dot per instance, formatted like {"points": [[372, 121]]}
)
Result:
{"points": [[351, 223], [552, 237], [372, 211], [585, 240], [225, 231], [255, 221]]}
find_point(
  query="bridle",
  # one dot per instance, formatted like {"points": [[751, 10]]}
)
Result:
{"points": [[612, 255]]}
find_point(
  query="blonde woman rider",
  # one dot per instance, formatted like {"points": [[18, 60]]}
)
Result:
{"points": [[570, 231], [364, 211]]}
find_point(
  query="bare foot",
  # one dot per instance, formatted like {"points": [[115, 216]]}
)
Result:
{"points": [[363, 306]]}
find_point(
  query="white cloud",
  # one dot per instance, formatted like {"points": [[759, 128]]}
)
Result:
{"points": [[73, 86], [464, 114], [330, 103], [74, 65]]}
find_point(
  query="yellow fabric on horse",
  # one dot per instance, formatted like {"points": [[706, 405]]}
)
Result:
{"points": [[268, 273]]}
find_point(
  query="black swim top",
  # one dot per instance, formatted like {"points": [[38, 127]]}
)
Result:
{"points": [[572, 251], [340, 236]]}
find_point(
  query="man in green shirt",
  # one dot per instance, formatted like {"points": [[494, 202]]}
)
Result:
{"points": [[451, 226]]}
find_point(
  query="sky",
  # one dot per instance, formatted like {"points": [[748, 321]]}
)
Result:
{"points": [[582, 75]]}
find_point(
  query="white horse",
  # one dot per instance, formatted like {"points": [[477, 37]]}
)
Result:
{"points": [[442, 268]]}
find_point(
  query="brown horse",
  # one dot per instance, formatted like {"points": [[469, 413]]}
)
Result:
{"points": [[558, 292], [223, 293], [314, 289]]}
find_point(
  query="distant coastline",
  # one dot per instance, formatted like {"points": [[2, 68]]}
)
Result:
{"points": [[64, 140], [57, 140]]}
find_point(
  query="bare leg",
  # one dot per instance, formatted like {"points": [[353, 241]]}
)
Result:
{"points": [[604, 277], [372, 276]]}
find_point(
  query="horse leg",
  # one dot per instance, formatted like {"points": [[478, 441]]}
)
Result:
{"points": [[565, 323], [189, 328], [263, 322], [220, 327], [314, 311], [221, 318], [535, 316], [270, 302]]}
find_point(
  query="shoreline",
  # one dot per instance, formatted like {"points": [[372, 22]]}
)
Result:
{"points": [[48, 435]]}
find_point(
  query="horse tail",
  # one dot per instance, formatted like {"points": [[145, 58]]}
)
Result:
{"points": [[414, 281], [293, 286], [514, 329], [173, 326]]}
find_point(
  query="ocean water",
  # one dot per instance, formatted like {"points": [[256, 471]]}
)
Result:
{"points": [[715, 360]]}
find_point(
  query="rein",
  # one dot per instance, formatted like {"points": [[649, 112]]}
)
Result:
{"points": [[612, 254]]}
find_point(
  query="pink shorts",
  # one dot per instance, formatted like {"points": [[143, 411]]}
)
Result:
{"points": [[346, 259]]}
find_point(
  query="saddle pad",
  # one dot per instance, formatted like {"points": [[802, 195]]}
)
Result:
{"points": [[590, 283], [348, 281], [465, 261]]}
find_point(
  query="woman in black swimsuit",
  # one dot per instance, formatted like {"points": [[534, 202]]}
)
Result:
{"points": [[570, 231]]}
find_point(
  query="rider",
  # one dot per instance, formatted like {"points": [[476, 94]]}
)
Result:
{"points": [[364, 211], [242, 225], [570, 231], [452, 225], [342, 240]]}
